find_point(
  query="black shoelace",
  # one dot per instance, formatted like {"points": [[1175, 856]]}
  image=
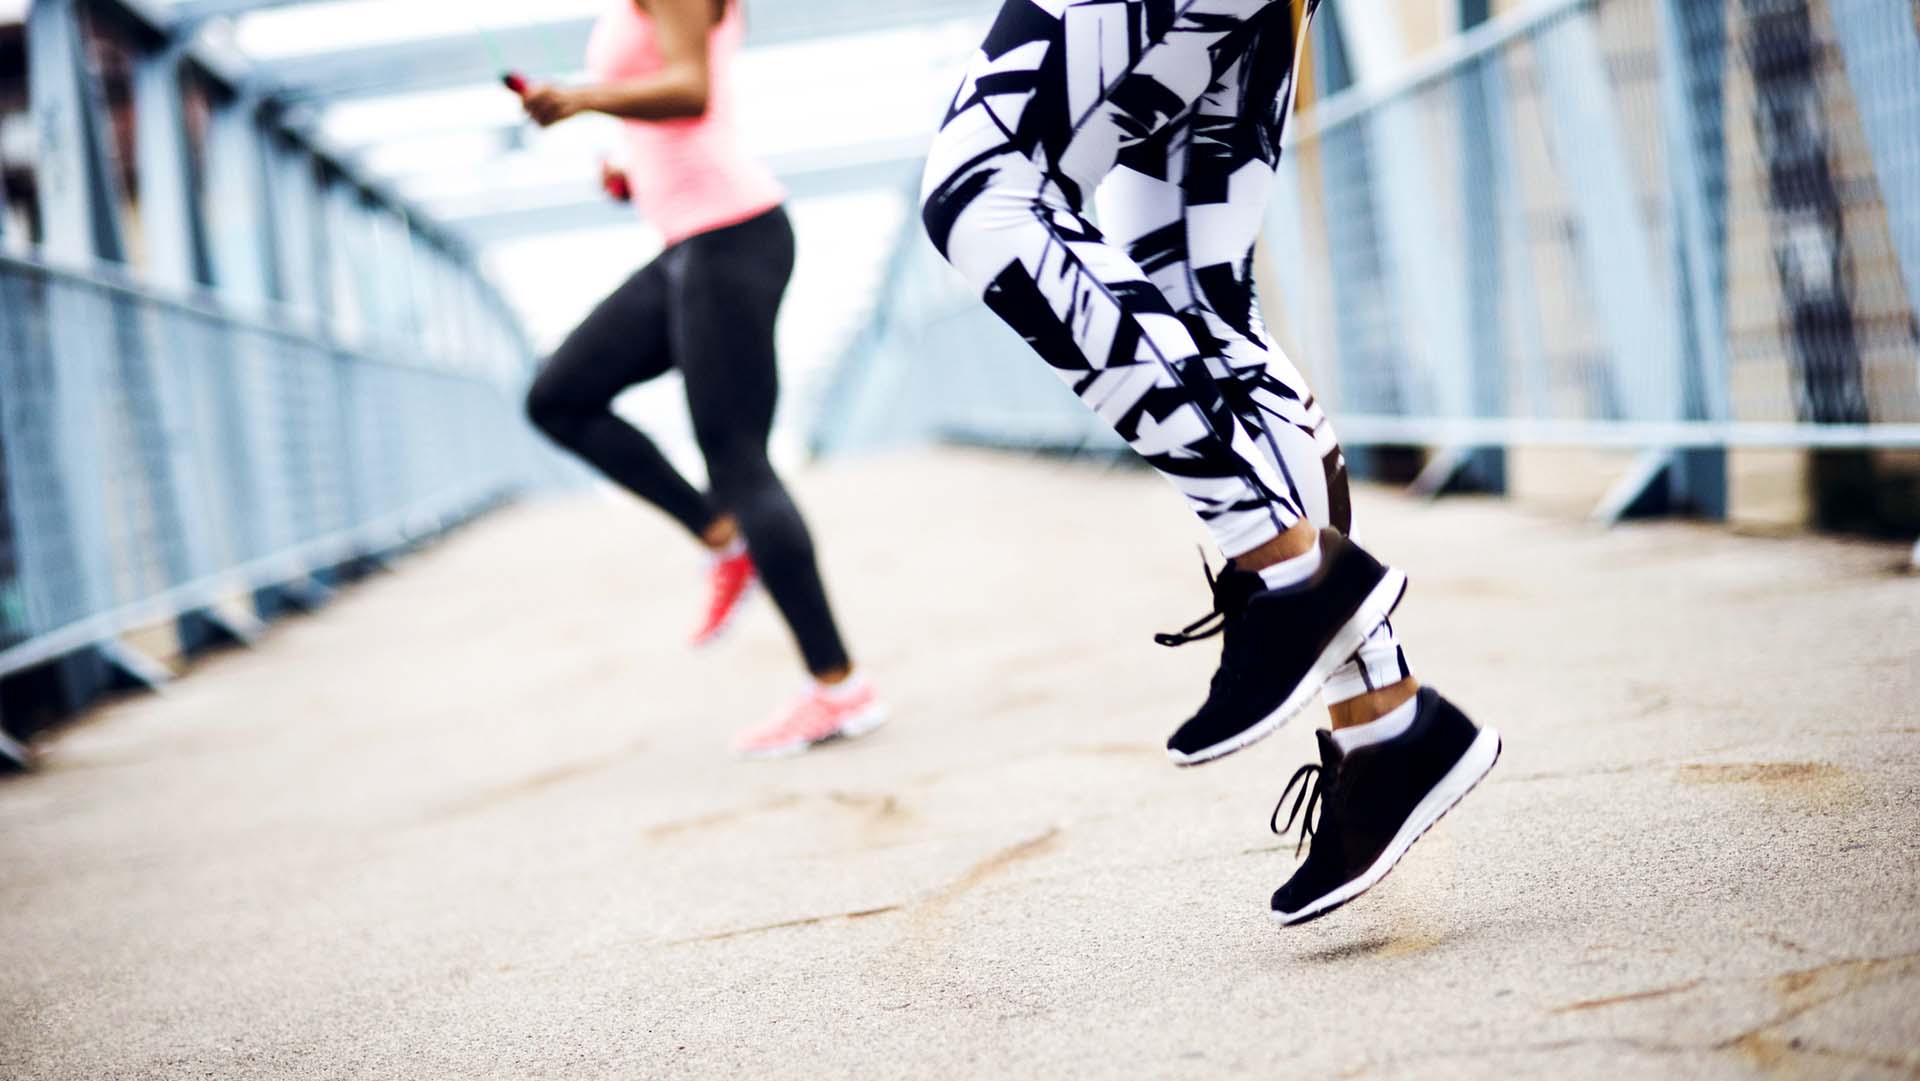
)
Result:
{"points": [[1206, 626], [1310, 778]]}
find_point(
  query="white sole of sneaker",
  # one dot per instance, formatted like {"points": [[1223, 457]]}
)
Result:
{"points": [[1475, 764], [733, 616], [1372, 612], [863, 722], [15, 752], [858, 725]]}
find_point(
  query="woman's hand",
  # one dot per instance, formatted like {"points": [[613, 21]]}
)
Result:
{"points": [[548, 104]]}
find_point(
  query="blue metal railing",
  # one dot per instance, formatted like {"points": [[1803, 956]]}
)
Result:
{"points": [[160, 453], [1584, 222]]}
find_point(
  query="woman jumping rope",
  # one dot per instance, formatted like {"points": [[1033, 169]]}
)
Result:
{"points": [[1173, 109], [706, 307]]}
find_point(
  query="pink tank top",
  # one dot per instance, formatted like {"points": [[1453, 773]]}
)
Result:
{"points": [[688, 176]]}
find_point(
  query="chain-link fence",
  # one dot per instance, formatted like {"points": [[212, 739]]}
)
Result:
{"points": [[1655, 223], [159, 454]]}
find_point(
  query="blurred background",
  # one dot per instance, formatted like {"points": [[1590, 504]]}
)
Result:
{"points": [[274, 274]]}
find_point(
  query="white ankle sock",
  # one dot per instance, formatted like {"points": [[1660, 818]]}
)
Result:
{"points": [[843, 690], [1292, 572], [735, 547], [1379, 730]]}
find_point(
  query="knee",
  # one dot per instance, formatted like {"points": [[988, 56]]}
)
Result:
{"points": [[738, 475], [937, 213], [767, 515], [954, 181], [978, 211], [548, 410]]}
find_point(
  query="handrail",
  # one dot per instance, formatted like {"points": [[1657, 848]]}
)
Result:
{"points": [[1350, 105], [258, 316]]}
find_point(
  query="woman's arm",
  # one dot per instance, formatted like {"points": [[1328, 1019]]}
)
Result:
{"points": [[677, 90]]}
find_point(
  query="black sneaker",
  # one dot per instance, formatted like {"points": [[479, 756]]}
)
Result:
{"points": [[1375, 802], [1281, 644]]}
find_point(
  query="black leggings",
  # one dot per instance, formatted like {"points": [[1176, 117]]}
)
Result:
{"points": [[706, 306]]}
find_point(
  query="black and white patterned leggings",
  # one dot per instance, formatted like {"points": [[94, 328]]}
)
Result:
{"points": [[1173, 111]]}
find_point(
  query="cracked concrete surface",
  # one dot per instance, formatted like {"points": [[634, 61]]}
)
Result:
{"points": [[475, 819]]}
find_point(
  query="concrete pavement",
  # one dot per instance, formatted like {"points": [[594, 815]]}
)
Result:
{"points": [[475, 819]]}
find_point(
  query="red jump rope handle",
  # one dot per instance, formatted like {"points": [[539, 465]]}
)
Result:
{"points": [[515, 81], [617, 187]]}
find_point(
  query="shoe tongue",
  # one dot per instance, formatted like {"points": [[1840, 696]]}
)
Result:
{"points": [[1234, 588], [1330, 752]]}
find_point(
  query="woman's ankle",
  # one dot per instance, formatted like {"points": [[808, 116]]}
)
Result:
{"points": [[1374, 704], [1297, 541], [722, 534]]}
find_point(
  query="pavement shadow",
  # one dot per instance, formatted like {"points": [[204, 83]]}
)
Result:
{"points": [[1400, 943]]}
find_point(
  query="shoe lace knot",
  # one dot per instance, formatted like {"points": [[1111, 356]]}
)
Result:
{"points": [[1309, 779], [1214, 622]]}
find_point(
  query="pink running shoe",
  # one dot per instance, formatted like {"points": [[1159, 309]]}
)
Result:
{"points": [[731, 577], [824, 713]]}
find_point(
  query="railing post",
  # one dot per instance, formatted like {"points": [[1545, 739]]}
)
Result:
{"points": [[1880, 47], [1493, 160], [1365, 328], [1808, 222], [1638, 318], [1483, 139], [1435, 329], [1516, 280], [65, 557], [77, 189], [243, 232], [169, 215], [1635, 314], [245, 246], [1692, 73], [176, 258], [300, 239]]}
